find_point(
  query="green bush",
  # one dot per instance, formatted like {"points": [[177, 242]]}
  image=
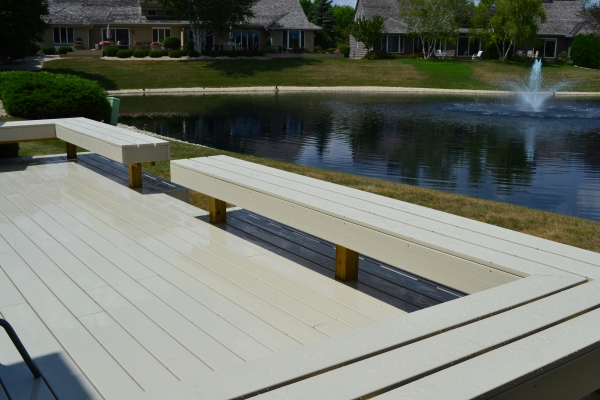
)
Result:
{"points": [[378, 55], [49, 50], [124, 53], [331, 49], [214, 53], [271, 49], [491, 51], [141, 53], [164, 53], [189, 45], [585, 51], [154, 54], [65, 49], [172, 43], [345, 50], [111, 51], [28, 49], [176, 53], [193, 53], [41, 95]]}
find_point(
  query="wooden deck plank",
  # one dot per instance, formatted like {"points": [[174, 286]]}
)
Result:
{"points": [[281, 369], [141, 365], [261, 331], [2, 392], [492, 373], [309, 315], [177, 205], [9, 295], [176, 357], [108, 377], [195, 265], [538, 245], [387, 245]]}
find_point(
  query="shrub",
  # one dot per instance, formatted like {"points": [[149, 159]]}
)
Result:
{"points": [[585, 51], [49, 50], [28, 49], [189, 45], [176, 53], [331, 49], [172, 43], [154, 54], [345, 50], [194, 53], [41, 95], [65, 49], [124, 53], [491, 51], [141, 53], [214, 53], [271, 49], [164, 53], [378, 55], [111, 51]]}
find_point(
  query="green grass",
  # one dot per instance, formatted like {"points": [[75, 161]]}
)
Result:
{"points": [[561, 228], [315, 72]]}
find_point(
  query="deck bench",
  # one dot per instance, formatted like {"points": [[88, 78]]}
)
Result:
{"points": [[429, 243], [118, 144]]}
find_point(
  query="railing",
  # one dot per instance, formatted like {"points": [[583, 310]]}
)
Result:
{"points": [[19, 345]]}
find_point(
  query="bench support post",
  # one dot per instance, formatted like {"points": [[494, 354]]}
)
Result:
{"points": [[346, 264], [217, 210], [71, 151], [135, 175]]}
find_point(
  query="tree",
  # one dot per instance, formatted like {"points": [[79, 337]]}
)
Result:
{"points": [[217, 16], [368, 31], [21, 24], [506, 23], [322, 15], [343, 22], [307, 6], [434, 21]]}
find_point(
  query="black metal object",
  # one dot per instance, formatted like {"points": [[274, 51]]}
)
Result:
{"points": [[17, 342]]}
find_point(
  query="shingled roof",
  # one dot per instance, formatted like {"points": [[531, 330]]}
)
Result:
{"points": [[78, 12], [280, 14], [387, 9]]}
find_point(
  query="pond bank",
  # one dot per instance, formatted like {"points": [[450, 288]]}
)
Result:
{"points": [[329, 89]]}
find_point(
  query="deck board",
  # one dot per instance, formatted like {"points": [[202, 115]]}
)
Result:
{"points": [[123, 291]]}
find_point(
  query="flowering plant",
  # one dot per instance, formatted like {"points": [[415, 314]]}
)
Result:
{"points": [[137, 43], [76, 45], [105, 42], [155, 44]]}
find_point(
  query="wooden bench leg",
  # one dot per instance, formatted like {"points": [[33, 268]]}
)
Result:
{"points": [[71, 152], [217, 210], [135, 175], [346, 264]]}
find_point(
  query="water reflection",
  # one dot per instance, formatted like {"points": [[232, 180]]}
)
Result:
{"points": [[487, 148]]}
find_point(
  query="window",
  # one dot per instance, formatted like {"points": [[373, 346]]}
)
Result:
{"points": [[246, 39], [394, 44], [159, 34], [151, 13], [549, 48], [169, 13], [467, 47], [63, 35], [119, 36], [293, 39]]}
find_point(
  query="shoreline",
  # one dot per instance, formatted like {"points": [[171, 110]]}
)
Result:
{"points": [[337, 89]]}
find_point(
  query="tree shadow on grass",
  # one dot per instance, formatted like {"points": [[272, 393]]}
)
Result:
{"points": [[249, 68], [105, 82]]}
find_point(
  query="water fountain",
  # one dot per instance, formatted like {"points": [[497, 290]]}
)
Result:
{"points": [[531, 93]]}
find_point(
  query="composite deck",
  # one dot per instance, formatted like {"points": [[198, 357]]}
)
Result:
{"points": [[115, 292]]}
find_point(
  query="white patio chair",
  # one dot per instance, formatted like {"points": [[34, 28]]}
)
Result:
{"points": [[477, 56], [529, 53]]}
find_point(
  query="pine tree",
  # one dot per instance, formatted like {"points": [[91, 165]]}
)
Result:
{"points": [[322, 15]]}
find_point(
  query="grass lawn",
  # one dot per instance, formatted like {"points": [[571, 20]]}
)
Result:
{"points": [[446, 74], [565, 229]]}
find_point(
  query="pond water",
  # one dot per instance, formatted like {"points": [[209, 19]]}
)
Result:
{"points": [[490, 148]]}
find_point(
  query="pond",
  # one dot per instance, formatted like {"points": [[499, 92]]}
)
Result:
{"points": [[489, 147]]}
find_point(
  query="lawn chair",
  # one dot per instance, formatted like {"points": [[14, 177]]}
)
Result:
{"points": [[519, 53], [477, 56], [529, 53], [536, 54], [438, 53], [450, 54]]}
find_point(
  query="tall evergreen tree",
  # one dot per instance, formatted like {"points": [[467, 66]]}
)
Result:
{"points": [[307, 6], [21, 24], [322, 15], [344, 16]]}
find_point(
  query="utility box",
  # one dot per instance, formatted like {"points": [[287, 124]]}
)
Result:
{"points": [[114, 110]]}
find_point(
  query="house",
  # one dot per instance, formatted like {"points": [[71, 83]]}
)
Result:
{"points": [[563, 23], [130, 21]]}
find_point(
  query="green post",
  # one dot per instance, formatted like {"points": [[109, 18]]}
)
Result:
{"points": [[114, 110]]}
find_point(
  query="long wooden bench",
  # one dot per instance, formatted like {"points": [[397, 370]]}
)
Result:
{"points": [[454, 251], [118, 144]]}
